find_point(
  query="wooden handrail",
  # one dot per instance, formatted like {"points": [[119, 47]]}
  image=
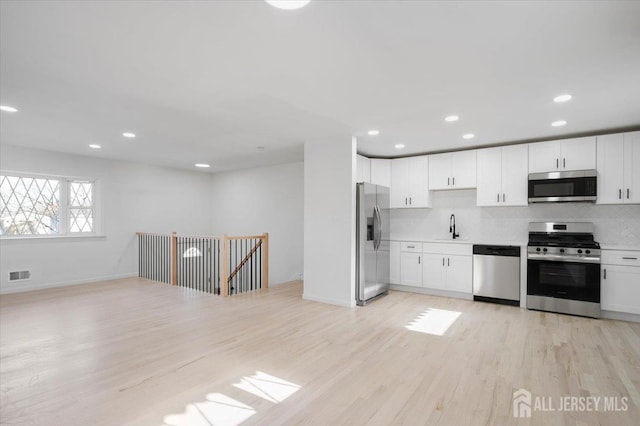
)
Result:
{"points": [[245, 260], [226, 277]]}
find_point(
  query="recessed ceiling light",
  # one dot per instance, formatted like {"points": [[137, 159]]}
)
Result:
{"points": [[373, 132], [468, 136], [203, 165], [399, 145], [129, 135], [451, 118], [7, 108], [558, 123], [288, 4], [95, 146], [562, 98]]}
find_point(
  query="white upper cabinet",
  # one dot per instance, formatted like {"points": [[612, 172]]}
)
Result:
{"points": [[409, 182], [502, 176], [363, 169], [619, 168], [453, 170], [381, 172], [563, 155]]}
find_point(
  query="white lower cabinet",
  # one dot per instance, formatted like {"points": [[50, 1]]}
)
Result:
{"points": [[394, 266], [447, 272], [620, 284], [410, 269], [434, 266]]}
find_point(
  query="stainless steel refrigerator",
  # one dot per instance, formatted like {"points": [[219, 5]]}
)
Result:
{"points": [[372, 236]]}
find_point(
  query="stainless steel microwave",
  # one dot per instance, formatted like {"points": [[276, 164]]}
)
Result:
{"points": [[578, 185]]}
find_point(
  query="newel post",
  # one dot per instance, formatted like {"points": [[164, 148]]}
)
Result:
{"points": [[174, 258], [265, 260], [224, 285]]}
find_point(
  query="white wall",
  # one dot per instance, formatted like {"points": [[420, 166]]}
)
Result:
{"points": [[135, 197], [268, 199], [617, 225], [329, 221]]}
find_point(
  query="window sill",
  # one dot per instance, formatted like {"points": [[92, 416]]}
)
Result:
{"points": [[52, 237]]}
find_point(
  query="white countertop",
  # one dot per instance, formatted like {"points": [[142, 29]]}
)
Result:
{"points": [[613, 247], [464, 241]]}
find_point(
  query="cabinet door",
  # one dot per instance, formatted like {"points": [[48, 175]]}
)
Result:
{"points": [[489, 177], [620, 289], [632, 167], [459, 273], [463, 169], [610, 150], [363, 169], [398, 196], [419, 181], [544, 157], [578, 154], [394, 262], [440, 171], [434, 271], [381, 172], [411, 269], [514, 175]]}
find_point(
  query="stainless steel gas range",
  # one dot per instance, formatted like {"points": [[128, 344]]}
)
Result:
{"points": [[563, 268]]}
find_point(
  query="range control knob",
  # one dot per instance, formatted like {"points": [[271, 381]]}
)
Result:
{"points": [[544, 250], [579, 251], [561, 250], [537, 248], [588, 251]]}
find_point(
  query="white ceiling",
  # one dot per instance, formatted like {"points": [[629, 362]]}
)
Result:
{"points": [[213, 81]]}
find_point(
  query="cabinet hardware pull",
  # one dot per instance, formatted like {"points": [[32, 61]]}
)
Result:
{"points": [[504, 199], [405, 201], [498, 197], [418, 260], [627, 193], [564, 163], [448, 181], [411, 246], [630, 258], [410, 202], [605, 274], [557, 166], [620, 194], [453, 181], [443, 261], [448, 264]]}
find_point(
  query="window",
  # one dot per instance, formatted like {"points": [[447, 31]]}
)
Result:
{"points": [[34, 205]]}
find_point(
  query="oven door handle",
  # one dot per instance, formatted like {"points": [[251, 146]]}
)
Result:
{"points": [[560, 258]]}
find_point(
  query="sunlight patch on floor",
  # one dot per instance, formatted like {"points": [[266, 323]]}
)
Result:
{"points": [[433, 321], [221, 410], [267, 387]]}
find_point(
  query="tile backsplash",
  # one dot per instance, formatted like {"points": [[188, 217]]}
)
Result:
{"points": [[617, 225]]}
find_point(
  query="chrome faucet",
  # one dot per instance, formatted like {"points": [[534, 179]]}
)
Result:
{"points": [[452, 226]]}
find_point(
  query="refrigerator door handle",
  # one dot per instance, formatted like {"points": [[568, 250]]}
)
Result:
{"points": [[378, 234]]}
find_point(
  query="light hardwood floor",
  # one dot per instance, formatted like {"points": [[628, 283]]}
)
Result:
{"points": [[138, 352]]}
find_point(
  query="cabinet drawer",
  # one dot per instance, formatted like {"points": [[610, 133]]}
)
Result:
{"points": [[411, 247], [621, 257], [438, 248]]}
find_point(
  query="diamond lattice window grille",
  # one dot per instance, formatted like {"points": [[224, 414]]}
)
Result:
{"points": [[80, 220], [81, 194], [29, 206]]}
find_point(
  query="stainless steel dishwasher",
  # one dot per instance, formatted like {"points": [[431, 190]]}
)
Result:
{"points": [[496, 274]]}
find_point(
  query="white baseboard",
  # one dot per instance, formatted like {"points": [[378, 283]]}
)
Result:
{"points": [[337, 302], [432, 292], [622, 316], [22, 287]]}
